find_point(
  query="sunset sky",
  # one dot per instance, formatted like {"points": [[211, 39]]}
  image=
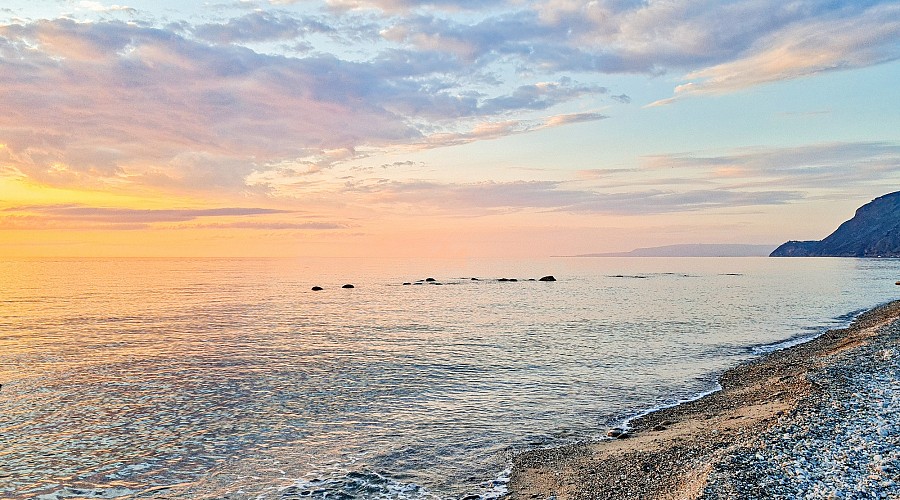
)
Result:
{"points": [[452, 128]]}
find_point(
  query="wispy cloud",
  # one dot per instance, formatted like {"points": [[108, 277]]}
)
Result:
{"points": [[81, 216], [99, 7], [276, 226], [498, 197], [817, 166], [496, 129], [804, 48]]}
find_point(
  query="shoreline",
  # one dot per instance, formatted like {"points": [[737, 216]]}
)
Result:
{"points": [[718, 445]]}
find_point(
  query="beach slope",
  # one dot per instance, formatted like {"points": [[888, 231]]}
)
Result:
{"points": [[815, 420]]}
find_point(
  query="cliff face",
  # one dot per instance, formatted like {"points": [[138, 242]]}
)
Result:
{"points": [[873, 232]]}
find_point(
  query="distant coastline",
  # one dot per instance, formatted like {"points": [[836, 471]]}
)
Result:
{"points": [[692, 250]]}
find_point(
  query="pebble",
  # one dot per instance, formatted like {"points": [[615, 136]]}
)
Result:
{"points": [[844, 443]]}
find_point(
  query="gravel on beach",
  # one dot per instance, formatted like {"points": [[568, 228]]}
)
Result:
{"points": [[816, 420]]}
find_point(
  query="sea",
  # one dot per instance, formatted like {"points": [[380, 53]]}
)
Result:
{"points": [[233, 379]]}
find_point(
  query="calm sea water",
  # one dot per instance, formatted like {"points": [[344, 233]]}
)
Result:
{"points": [[231, 379]]}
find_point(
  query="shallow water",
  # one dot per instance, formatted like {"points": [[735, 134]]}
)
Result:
{"points": [[224, 378]]}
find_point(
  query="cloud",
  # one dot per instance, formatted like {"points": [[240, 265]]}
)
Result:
{"points": [[559, 120], [657, 202], [495, 130], [99, 7], [407, 5], [262, 26], [189, 106], [815, 166], [803, 49], [80, 216], [274, 226], [115, 99], [724, 46], [497, 197], [114, 103], [538, 96]]}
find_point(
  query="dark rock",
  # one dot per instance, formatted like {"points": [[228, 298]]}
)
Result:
{"points": [[615, 433], [503, 279], [547, 278], [513, 279], [475, 279], [874, 231], [797, 249], [317, 288], [430, 279], [407, 283], [348, 286]]}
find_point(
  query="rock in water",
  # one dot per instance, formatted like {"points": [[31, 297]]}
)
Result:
{"points": [[317, 288], [348, 286], [873, 232], [547, 278], [616, 433]]}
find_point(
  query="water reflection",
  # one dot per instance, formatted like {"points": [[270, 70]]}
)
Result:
{"points": [[213, 378]]}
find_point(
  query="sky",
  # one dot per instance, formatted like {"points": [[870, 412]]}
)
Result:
{"points": [[448, 128]]}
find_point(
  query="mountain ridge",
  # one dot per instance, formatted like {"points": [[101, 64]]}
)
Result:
{"points": [[874, 231], [692, 250]]}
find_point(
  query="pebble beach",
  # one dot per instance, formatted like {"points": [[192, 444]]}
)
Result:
{"points": [[816, 420]]}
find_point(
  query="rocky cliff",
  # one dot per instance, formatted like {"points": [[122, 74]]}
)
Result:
{"points": [[873, 232]]}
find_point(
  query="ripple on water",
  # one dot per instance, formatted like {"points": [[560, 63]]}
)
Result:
{"points": [[201, 379]]}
